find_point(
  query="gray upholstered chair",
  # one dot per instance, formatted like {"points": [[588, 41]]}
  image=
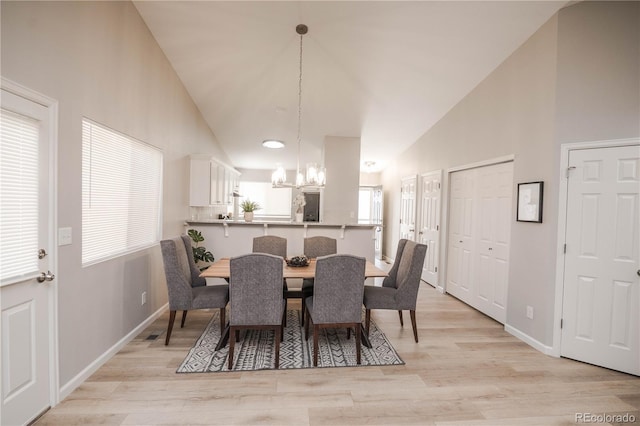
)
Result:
{"points": [[337, 297], [187, 290], [270, 244], [256, 297], [399, 289], [315, 247], [277, 246]]}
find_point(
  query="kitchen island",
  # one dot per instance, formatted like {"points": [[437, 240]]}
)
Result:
{"points": [[228, 238]]}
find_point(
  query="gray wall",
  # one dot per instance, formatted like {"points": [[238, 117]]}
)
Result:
{"points": [[575, 79], [99, 60]]}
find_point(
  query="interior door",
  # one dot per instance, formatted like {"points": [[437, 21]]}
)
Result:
{"points": [[495, 188], [26, 253], [429, 223], [601, 300], [461, 246], [408, 208]]}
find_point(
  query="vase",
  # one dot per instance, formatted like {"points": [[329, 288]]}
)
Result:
{"points": [[299, 217], [248, 216]]}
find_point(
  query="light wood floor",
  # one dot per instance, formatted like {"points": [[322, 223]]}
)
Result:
{"points": [[466, 370]]}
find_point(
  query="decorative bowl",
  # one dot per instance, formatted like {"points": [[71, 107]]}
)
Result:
{"points": [[298, 261]]}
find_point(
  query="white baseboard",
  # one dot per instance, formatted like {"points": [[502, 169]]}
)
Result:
{"points": [[72, 384], [547, 350]]}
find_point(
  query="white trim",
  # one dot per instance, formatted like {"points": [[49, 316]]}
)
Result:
{"points": [[72, 384], [52, 125], [547, 350], [490, 162], [562, 225]]}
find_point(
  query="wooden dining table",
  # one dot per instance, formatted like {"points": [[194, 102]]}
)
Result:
{"points": [[221, 269]]}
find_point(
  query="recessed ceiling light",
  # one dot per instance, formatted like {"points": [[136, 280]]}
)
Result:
{"points": [[272, 143]]}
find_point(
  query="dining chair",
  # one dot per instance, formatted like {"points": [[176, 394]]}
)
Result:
{"points": [[337, 298], [277, 246], [315, 247], [256, 298], [186, 289], [399, 289]]}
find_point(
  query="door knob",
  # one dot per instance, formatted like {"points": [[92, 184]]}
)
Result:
{"points": [[48, 276], [638, 272]]}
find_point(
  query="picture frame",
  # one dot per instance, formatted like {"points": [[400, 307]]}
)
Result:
{"points": [[529, 206]]}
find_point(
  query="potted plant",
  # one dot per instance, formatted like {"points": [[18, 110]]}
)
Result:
{"points": [[299, 202], [248, 207], [200, 254]]}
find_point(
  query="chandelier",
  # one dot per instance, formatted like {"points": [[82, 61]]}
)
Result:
{"points": [[314, 175]]}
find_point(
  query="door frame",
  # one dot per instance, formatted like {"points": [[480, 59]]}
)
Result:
{"points": [[446, 200], [52, 111], [563, 193]]}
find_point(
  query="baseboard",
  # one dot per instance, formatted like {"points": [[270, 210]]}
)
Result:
{"points": [[72, 384], [547, 350]]}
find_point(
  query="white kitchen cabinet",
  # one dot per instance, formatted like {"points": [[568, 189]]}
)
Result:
{"points": [[210, 182]]}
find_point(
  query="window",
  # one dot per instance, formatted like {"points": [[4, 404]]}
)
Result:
{"points": [[121, 193], [19, 193], [275, 203]]}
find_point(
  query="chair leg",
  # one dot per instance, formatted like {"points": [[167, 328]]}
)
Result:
{"points": [[348, 333], [303, 310], [172, 318], [413, 323], [316, 330], [367, 321], [306, 326], [401, 320], [284, 320], [283, 324], [277, 332], [231, 346], [358, 342], [184, 318], [222, 320]]}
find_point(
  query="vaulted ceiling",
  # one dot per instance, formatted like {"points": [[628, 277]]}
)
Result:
{"points": [[383, 71]]}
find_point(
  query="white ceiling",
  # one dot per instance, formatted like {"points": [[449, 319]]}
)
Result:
{"points": [[382, 71]]}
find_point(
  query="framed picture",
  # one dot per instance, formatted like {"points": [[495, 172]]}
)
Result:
{"points": [[529, 207]]}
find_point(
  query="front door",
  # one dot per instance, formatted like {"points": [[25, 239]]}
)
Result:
{"points": [[601, 300], [429, 224], [26, 251]]}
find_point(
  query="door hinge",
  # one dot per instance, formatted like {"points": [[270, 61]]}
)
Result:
{"points": [[438, 185], [561, 323], [437, 227], [569, 170], [564, 250], [436, 269]]}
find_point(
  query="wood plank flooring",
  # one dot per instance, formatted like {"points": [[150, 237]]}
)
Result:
{"points": [[466, 370]]}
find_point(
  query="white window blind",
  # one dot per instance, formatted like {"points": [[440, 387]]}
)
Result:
{"points": [[19, 137], [121, 193]]}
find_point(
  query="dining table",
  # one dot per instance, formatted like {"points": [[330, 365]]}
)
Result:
{"points": [[221, 269]]}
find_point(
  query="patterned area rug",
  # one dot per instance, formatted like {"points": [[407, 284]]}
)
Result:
{"points": [[255, 350]]}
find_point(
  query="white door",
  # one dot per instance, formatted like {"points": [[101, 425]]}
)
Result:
{"points": [[429, 223], [495, 188], [408, 208], [601, 300], [26, 303], [478, 239], [461, 235]]}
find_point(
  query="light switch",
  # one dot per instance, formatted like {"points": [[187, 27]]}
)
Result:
{"points": [[64, 236]]}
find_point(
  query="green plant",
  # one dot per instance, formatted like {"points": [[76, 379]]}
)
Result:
{"points": [[248, 206], [200, 254]]}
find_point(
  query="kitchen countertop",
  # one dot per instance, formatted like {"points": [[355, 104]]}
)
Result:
{"points": [[277, 223]]}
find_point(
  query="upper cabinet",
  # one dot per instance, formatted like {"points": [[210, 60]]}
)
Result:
{"points": [[211, 182]]}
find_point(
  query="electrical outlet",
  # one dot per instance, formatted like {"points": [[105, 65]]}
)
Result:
{"points": [[144, 298], [530, 312]]}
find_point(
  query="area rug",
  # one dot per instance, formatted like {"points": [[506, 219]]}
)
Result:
{"points": [[256, 349]]}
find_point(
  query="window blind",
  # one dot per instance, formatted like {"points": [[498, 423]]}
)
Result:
{"points": [[19, 138], [121, 193]]}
